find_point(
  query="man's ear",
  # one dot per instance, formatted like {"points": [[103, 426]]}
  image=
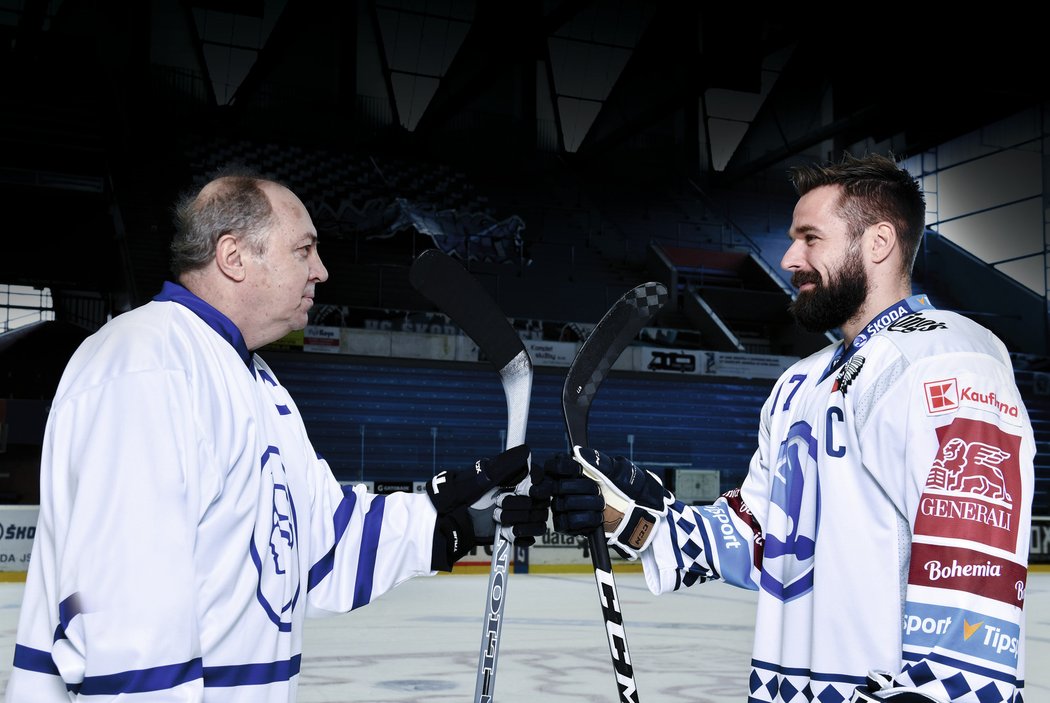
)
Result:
{"points": [[229, 257], [882, 241]]}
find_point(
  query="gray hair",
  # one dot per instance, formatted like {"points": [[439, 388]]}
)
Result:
{"points": [[231, 203]]}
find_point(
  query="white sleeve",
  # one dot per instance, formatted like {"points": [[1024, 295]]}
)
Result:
{"points": [[695, 544], [365, 544], [110, 597]]}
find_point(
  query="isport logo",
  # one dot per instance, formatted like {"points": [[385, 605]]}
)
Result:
{"points": [[794, 511]]}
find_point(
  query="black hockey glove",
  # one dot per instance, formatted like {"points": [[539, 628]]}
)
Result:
{"points": [[880, 689], [576, 503], [470, 502], [625, 500]]}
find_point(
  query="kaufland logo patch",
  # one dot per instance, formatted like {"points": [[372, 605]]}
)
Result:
{"points": [[948, 395], [941, 396]]}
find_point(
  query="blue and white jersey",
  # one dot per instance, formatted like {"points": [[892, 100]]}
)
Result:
{"points": [[187, 526], [884, 521]]}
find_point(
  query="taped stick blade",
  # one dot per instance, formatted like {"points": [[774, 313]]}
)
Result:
{"points": [[603, 346]]}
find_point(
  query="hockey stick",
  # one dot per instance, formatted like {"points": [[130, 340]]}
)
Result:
{"points": [[599, 352], [460, 296]]}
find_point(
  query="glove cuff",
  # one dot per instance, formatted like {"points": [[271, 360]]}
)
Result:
{"points": [[635, 532], [453, 538]]}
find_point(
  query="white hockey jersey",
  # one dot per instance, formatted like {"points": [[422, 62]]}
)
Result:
{"points": [[884, 521], [187, 526]]}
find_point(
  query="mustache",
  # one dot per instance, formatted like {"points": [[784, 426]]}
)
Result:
{"points": [[799, 278]]}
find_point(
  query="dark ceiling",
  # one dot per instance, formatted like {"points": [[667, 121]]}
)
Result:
{"points": [[98, 95]]}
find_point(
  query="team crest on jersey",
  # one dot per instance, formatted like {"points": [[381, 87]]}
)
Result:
{"points": [[973, 489], [275, 545], [794, 513], [848, 374]]}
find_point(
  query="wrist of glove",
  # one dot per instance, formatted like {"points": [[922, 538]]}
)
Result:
{"points": [[497, 493], [593, 490]]}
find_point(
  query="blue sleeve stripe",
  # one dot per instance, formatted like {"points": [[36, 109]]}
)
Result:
{"points": [[251, 674], [340, 520], [67, 610], [157, 678], [163, 677], [366, 564], [36, 660]]}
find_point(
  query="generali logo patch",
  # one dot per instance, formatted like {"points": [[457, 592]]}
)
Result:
{"points": [[973, 490]]}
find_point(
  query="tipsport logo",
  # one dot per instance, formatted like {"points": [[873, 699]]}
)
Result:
{"points": [[791, 532], [974, 634]]}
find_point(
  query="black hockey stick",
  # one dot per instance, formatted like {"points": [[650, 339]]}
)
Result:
{"points": [[603, 346], [460, 296]]}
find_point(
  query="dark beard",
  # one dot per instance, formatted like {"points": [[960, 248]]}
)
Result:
{"points": [[829, 306]]}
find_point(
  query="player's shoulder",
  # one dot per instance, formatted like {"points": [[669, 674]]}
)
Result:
{"points": [[139, 341], [810, 365], [934, 332]]}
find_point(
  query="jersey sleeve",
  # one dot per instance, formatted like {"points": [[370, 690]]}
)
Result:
{"points": [[721, 541], [114, 574], [966, 443], [365, 544]]}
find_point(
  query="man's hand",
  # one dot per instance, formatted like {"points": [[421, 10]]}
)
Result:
{"points": [[472, 503], [625, 500]]}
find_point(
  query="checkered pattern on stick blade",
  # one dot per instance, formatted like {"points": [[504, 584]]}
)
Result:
{"points": [[603, 346]]}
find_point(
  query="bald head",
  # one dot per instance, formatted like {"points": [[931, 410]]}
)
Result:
{"points": [[227, 205], [248, 247]]}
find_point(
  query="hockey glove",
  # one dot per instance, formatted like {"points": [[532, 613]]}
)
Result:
{"points": [[577, 506], [634, 500], [880, 689], [469, 502]]}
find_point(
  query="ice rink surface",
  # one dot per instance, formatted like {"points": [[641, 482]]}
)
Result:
{"points": [[421, 642]]}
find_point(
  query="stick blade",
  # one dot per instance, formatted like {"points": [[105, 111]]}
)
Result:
{"points": [[452, 288], [603, 346]]}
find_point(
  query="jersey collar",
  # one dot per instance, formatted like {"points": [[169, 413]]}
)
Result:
{"points": [[902, 308], [174, 293]]}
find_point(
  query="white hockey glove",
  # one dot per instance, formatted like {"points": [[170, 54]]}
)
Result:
{"points": [[634, 500]]}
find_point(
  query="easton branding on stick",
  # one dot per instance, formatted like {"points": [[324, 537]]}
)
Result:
{"points": [[460, 296]]}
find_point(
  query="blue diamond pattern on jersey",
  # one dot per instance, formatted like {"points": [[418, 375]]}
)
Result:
{"points": [[921, 674], [687, 538], [830, 695], [989, 694], [957, 686]]}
